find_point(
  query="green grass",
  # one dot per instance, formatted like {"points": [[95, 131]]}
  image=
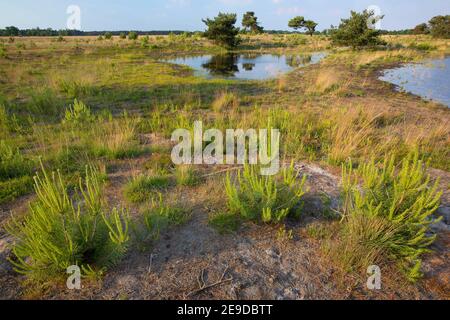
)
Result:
{"points": [[162, 215], [143, 188], [224, 222]]}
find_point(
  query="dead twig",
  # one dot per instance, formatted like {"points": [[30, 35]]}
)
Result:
{"points": [[203, 286]]}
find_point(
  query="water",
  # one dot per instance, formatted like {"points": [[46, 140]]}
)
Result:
{"points": [[430, 80], [246, 66]]}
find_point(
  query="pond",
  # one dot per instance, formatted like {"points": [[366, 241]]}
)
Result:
{"points": [[430, 80], [246, 66]]}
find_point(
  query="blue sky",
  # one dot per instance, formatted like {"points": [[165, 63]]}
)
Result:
{"points": [[187, 14]]}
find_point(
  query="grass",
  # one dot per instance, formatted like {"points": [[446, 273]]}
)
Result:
{"points": [[143, 188], [162, 215], [224, 222]]}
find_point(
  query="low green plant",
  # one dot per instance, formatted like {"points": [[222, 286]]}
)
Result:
{"points": [[12, 162], [265, 198], [14, 188], [60, 231], [144, 187], [161, 216], [399, 202], [224, 222], [78, 114], [186, 175]]}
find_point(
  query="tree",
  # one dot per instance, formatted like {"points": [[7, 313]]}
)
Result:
{"points": [[310, 27], [222, 30], [440, 27], [108, 35], [12, 31], [250, 23], [296, 23], [421, 29], [300, 23], [133, 35], [355, 31]]}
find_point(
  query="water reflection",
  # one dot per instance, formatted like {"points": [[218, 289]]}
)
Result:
{"points": [[430, 80], [249, 66]]}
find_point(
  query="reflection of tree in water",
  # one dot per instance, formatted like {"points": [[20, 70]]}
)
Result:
{"points": [[222, 65], [248, 66], [296, 61]]}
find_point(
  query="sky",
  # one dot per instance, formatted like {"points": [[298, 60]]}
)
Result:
{"points": [[147, 15]]}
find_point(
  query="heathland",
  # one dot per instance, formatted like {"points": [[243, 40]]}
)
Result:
{"points": [[86, 176]]}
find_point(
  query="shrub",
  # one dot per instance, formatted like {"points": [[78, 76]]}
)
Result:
{"points": [[222, 30], [440, 27], [78, 113], [143, 188], [57, 233], [108, 35], [355, 32], [122, 35], [396, 205], [132, 35], [264, 198]]}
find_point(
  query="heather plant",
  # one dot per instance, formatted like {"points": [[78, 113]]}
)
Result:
{"points": [[265, 198], [61, 230], [399, 201]]}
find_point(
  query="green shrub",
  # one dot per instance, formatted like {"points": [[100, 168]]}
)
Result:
{"points": [[57, 233], [132, 35], [161, 216], [108, 35], [399, 202], [355, 31], [122, 35], [78, 113], [143, 188], [265, 198]]}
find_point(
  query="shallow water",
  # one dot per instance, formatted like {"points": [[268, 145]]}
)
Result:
{"points": [[246, 66], [430, 80]]}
